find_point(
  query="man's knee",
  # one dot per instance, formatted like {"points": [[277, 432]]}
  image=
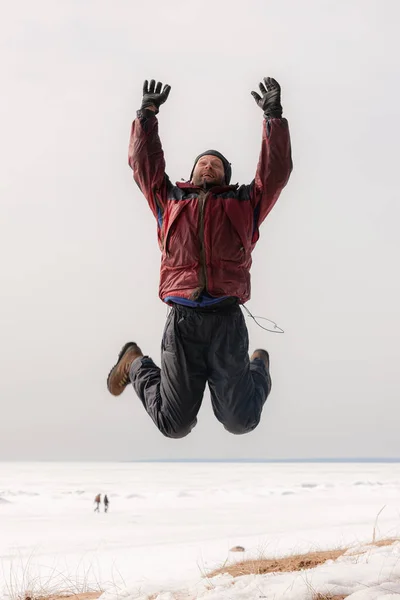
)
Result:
{"points": [[240, 426], [175, 434], [176, 430]]}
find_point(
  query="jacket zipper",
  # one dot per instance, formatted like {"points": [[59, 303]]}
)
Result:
{"points": [[203, 272]]}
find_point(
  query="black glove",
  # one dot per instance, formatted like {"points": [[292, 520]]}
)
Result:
{"points": [[153, 96], [271, 98]]}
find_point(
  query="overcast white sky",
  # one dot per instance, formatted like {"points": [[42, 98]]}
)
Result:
{"points": [[80, 261]]}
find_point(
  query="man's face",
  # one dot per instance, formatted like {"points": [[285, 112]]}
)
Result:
{"points": [[209, 170]]}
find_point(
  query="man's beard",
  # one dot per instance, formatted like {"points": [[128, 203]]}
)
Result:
{"points": [[207, 184]]}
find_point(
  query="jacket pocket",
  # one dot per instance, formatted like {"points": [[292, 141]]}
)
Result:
{"points": [[174, 211], [235, 242]]}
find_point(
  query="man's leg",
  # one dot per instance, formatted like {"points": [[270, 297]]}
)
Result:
{"points": [[239, 387], [172, 395]]}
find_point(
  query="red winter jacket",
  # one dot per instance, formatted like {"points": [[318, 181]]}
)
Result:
{"points": [[207, 237]]}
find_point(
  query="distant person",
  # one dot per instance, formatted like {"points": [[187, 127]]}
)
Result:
{"points": [[106, 503], [97, 501]]}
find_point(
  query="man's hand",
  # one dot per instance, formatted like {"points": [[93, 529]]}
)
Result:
{"points": [[153, 97], [270, 102]]}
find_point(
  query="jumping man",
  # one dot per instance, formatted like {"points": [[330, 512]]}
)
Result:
{"points": [[207, 230]]}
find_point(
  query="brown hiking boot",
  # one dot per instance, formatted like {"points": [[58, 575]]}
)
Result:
{"points": [[118, 377], [263, 355]]}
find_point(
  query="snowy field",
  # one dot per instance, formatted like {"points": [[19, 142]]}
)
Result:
{"points": [[170, 523]]}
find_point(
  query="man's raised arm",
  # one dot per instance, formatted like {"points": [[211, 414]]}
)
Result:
{"points": [[146, 156], [275, 162]]}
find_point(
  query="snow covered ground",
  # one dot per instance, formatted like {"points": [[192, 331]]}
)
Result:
{"points": [[373, 575], [170, 523]]}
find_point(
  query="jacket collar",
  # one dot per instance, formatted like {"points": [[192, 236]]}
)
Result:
{"points": [[187, 185]]}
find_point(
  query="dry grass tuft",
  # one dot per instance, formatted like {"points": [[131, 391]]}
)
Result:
{"points": [[386, 542], [297, 562], [65, 596], [328, 597]]}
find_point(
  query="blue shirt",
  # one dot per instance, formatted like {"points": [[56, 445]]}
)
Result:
{"points": [[203, 300]]}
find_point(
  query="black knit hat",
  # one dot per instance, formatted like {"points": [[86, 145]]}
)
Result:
{"points": [[227, 165]]}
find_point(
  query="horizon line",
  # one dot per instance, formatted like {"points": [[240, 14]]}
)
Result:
{"points": [[215, 460]]}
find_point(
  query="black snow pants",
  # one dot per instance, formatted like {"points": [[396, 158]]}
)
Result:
{"points": [[202, 345]]}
